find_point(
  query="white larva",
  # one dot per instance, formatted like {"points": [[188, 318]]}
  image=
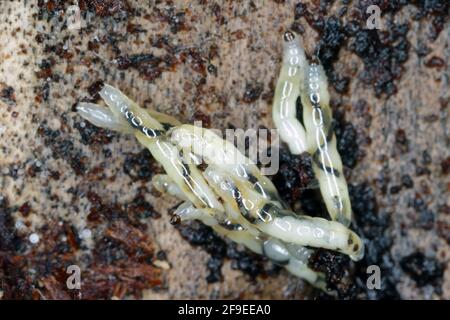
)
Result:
{"points": [[317, 136], [287, 91], [230, 194]]}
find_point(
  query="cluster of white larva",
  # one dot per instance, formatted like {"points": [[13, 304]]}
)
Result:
{"points": [[222, 188], [310, 131]]}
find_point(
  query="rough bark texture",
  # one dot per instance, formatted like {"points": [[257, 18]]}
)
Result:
{"points": [[86, 192]]}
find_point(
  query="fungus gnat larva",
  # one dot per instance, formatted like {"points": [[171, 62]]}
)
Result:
{"points": [[220, 187], [313, 127]]}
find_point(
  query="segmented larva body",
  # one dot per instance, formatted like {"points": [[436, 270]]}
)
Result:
{"points": [[326, 161], [317, 135], [290, 82], [222, 188]]}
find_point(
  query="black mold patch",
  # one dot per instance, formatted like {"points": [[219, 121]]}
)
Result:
{"points": [[422, 269], [382, 58], [148, 65], [347, 140], [331, 41], [383, 52], [426, 217], [8, 237], [372, 226], [141, 208], [348, 279], [140, 165], [62, 148], [7, 94], [252, 93], [94, 90], [335, 267], [294, 175], [91, 134]]}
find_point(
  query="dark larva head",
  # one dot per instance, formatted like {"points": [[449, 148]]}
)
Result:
{"points": [[175, 219], [355, 247], [289, 36]]}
